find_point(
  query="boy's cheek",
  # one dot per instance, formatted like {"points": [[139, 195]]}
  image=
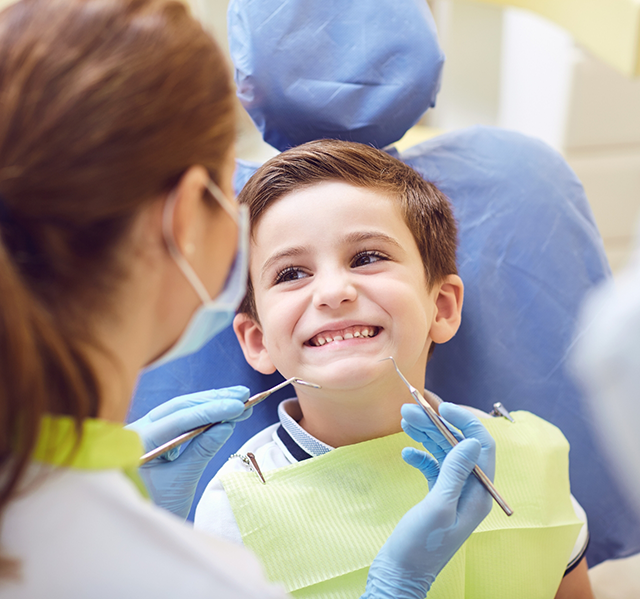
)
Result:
{"points": [[279, 315]]}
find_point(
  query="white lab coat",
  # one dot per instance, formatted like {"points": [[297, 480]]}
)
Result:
{"points": [[91, 535]]}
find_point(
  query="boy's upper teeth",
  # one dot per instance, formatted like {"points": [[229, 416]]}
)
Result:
{"points": [[357, 331]]}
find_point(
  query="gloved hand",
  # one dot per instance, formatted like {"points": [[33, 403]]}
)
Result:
{"points": [[430, 533], [171, 479]]}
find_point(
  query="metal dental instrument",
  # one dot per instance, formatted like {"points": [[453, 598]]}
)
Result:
{"points": [[252, 401], [500, 410], [250, 460], [448, 435]]}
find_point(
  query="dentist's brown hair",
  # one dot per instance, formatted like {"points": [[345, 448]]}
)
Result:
{"points": [[426, 210], [104, 104]]}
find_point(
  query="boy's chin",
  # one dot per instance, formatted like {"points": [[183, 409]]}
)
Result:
{"points": [[346, 375]]}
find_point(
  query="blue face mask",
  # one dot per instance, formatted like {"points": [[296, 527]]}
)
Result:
{"points": [[214, 315]]}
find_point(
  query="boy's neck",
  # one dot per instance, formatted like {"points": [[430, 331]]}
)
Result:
{"points": [[354, 416]]}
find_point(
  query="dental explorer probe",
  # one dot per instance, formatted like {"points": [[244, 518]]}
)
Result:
{"points": [[449, 436], [184, 437]]}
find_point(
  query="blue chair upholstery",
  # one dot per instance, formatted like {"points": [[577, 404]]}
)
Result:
{"points": [[529, 247]]}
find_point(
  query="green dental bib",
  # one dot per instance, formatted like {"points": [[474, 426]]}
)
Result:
{"points": [[317, 525]]}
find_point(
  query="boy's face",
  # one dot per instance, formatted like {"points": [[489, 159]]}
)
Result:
{"points": [[339, 285]]}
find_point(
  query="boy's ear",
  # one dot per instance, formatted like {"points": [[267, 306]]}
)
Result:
{"points": [[449, 296], [251, 340]]}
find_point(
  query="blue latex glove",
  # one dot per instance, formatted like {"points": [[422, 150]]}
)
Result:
{"points": [[171, 479], [433, 530]]}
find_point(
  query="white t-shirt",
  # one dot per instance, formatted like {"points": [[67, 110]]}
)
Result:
{"points": [[90, 534], [284, 443]]}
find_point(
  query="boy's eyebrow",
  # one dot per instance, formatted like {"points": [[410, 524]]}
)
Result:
{"points": [[371, 235], [288, 253]]}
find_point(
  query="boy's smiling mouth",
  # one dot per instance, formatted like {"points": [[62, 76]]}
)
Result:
{"points": [[361, 331]]}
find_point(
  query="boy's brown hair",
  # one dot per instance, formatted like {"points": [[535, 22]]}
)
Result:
{"points": [[427, 211]]}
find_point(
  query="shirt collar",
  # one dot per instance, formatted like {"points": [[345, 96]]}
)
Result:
{"points": [[103, 445], [289, 414]]}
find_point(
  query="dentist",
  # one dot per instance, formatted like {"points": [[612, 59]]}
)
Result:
{"points": [[121, 248]]}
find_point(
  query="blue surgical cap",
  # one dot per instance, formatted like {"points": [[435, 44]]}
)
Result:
{"points": [[310, 70]]}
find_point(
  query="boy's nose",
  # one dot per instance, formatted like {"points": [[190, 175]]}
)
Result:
{"points": [[333, 289]]}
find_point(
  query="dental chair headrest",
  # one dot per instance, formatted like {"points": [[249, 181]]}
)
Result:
{"points": [[310, 70]]}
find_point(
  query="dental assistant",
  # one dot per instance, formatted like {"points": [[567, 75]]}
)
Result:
{"points": [[116, 231]]}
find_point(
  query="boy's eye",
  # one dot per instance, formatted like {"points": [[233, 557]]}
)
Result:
{"points": [[368, 257], [291, 273]]}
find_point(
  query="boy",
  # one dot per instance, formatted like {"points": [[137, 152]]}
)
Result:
{"points": [[353, 261]]}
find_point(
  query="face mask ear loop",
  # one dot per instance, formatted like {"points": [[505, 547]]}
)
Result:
{"points": [[174, 252], [231, 208]]}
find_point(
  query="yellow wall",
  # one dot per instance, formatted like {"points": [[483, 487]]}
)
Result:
{"points": [[610, 29]]}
